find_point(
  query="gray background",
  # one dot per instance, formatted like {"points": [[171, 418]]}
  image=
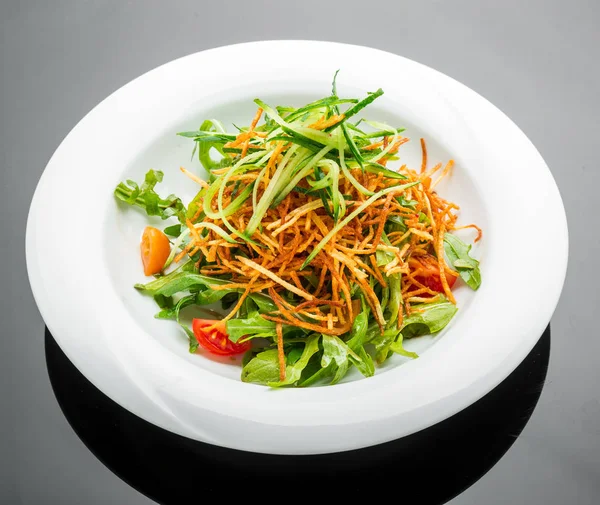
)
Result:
{"points": [[536, 60]]}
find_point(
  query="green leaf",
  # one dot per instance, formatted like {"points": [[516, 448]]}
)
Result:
{"points": [[428, 318], [173, 231], [395, 287], [191, 337], [358, 332], [399, 349], [146, 198], [382, 343], [409, 204], [294, 355], [294, 372], [263, 302], [173, 312], [314, 372], [238, 328], [176, 282], [334, 348], [366, 365], [210, 296], [340, 372], [458, 254], [262, 369], [460, 263], [164, 302]]}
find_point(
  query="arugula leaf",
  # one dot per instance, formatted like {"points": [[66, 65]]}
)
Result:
{"points": [[176, 282], [191, 338], [409, 204], [164, 302], [209, 296], [358, 331], [294, 372], [255, 324], [337, 351], [334, 348], [146, 198], [340, 373], [173, 312], [395, 287], [458, 254], [293, 356], [382, 343], [262, 368], [314, 372], [428, 318], [339, 355], [173, 231], [390, 341], [398, 348], [263, 302], [366, 365]]}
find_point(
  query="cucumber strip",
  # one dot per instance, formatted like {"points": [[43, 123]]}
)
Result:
{"points": [[352, 111], [301, 174], [301, 132], [270, 192], [323, 102], [347, 173]]}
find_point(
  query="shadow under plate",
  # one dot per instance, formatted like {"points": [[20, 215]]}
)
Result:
{"points": [[433, 465]]}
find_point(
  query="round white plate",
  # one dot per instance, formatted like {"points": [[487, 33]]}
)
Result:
{"points": [[83, 249]]}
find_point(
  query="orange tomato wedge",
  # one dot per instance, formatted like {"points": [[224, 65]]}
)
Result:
{"points": [[155, 249]]}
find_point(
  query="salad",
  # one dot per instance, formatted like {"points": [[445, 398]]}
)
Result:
{"points": [[319, 255]]}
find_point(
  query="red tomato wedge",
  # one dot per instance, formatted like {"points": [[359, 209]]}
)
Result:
{"points": [[155, 249], [431, 275], [216, 340]]}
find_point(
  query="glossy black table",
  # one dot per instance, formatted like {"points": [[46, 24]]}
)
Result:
{"points": [[433, 465]]}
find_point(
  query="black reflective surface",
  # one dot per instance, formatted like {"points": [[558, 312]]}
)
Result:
{"points": [[435, 464]]}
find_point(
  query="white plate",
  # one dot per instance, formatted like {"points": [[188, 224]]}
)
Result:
{"points": [[83, 259]]}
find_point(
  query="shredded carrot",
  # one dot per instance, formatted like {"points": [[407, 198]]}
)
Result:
{"points": [[375, 145], [446, 171], [272, 276], [442, 263], [237, 306], [424, 161], [323, 123], [479, 232], [194, 178], [183, 252], [280, 353]]}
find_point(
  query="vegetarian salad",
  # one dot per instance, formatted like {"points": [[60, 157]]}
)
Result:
{"points": [[321, 257]]}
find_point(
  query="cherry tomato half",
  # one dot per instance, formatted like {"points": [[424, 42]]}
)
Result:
{"points": [[216, 340], [155, 249], [431, 277]]}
